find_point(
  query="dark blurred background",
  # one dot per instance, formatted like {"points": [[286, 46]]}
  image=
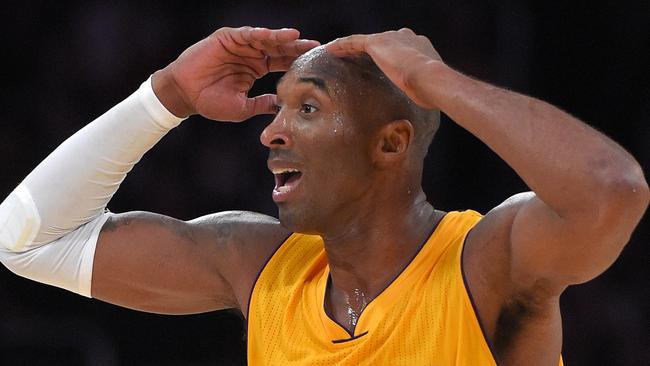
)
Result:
{"points": [[65, 63]]}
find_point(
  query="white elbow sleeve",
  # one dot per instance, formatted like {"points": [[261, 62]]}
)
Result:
{"points": [[19, 220], [66, 262], [75, 182], [62, 202]]}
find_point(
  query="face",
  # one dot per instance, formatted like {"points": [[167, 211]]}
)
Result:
{"points": [[320, 154]]}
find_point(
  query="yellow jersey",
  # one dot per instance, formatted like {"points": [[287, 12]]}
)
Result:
{"points": [[424, 317]]}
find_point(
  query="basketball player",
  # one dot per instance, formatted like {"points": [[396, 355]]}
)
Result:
{"points": [[360, 269]]}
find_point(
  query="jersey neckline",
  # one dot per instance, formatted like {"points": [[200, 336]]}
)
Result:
{"points": [[381, 304]]}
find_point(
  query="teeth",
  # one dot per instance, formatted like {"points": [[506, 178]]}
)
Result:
{"points": [[282, 189], [284, 170]]}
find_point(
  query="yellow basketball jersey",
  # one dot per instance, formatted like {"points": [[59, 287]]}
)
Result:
{"points": [[424, 317]]}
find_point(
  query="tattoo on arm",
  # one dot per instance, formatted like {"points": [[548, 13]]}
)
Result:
{"points": [[224, 231], [112, 224], [124, 221]]}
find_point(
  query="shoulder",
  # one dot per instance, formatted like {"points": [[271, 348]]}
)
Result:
{"points": [[487, 254], [240, 225], [248, 240], [487, 247], [487, 264], [492, 232], [247, 236]]}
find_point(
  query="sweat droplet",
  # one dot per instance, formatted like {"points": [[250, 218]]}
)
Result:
{"points": [[355, 305], [338, 123], [308, 57]]}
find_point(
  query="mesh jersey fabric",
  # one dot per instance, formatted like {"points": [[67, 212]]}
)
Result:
{"points": [[424, 317]]}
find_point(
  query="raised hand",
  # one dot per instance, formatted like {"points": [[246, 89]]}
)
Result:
{"points": [[213, 77], [402, 55]]}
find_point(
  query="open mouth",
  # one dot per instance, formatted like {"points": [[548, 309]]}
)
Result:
{"points": [[286, 179]]}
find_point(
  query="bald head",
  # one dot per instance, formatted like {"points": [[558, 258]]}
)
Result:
{"points": [[369, 95]]}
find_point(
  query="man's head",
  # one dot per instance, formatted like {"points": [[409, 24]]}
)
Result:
{"points": [[351, 134]]}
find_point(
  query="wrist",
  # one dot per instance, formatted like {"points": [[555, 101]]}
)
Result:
{"points": [[168, 93], [439, 83], [424, 84]]}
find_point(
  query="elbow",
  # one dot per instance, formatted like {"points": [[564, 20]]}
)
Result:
{"points": [[625, 196], [631, 188], [642, 192]]}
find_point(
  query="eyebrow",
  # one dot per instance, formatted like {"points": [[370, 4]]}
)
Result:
{"points": [[318, 82]]}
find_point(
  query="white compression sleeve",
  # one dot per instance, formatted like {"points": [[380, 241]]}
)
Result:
{"points": [[66, 262], [72, 187]]}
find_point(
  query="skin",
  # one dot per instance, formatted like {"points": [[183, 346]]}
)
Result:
{"points": [[361, 184]]}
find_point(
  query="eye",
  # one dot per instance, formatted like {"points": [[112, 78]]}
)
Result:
{"points": [[307, 109]]}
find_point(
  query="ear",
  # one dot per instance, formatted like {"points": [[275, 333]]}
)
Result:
{"points": [[394, 142]]}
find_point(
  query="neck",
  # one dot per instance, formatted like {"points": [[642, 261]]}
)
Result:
{"points": [[372, 249]]}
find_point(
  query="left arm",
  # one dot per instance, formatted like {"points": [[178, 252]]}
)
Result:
{"points": [[589, 193]]}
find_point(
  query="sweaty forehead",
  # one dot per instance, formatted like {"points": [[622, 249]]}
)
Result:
{"points": [[319, 65], [318, 60]]}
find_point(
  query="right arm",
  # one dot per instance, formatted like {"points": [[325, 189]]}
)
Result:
{"points": [[159, 264], [49, 226]]}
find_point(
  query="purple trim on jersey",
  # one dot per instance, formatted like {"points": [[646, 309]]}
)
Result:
{"points": [[471, 300], [337, 341], [250, 297]]}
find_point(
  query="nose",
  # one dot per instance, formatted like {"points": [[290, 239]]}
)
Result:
{"points": [[276, 134]]}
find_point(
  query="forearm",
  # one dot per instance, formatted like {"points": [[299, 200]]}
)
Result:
{"points": [[74, 183], [61, 202], [569, 165]]}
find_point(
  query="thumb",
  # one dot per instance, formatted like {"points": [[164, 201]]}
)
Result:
{"points": [[261, 104]]}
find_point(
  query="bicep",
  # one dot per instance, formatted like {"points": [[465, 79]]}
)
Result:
{"points": [[546, 248], [155, 263]]}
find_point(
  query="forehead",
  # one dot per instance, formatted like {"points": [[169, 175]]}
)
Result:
{"points": [[320, 68], [314, 57]]}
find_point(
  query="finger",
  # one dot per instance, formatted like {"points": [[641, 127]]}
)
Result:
{"points": [[294, 48], [248, 35], [280, 63], [297, 47], [262, 104], [243, 82], [278, 35], [347, 46], [255, 68], [407, 31], [257, 42], [239, 42], [269, 48]]}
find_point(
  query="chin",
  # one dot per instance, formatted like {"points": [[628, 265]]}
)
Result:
{"points": [[298, 222]]}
